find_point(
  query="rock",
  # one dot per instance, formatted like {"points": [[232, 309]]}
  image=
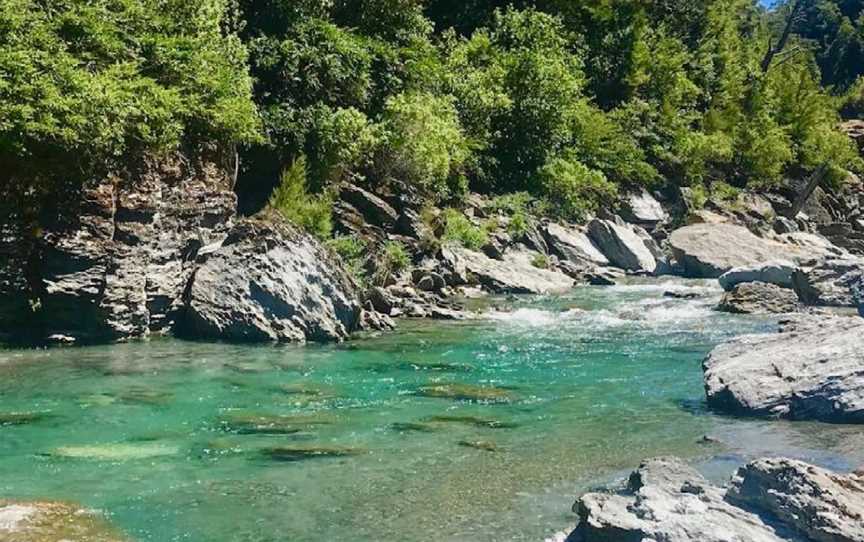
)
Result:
{"points": [[428, 281], [784, 225], [514, 274], [573, 244], [375, 210], [49, 521], [117, 451], [533, 239], [622, 246], [704, 216], [831, 282], [271, 424], [778, 272], [709, 250], [413, 427], [845, 235], [473, 421], [759, 298], [641, 208], [22, 418], [381, 300], [484, 445], [667, 500], [769, 500], [269, 282], [115, 262], [466, 392], [855, 130], [820, 504], [603, 277], [681, 295], [811, 370], [299, 453]]}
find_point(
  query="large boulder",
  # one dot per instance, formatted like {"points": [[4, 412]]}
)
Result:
{"points": [[375, 210], [709, 250], [821, 505], [572, 244], [811, 370], [665, 499], [515, 273], [623, 246], [769, 500], [831, 282], [759, 298], [270, 282], [641, 208], [50, 521], [777, 272]]}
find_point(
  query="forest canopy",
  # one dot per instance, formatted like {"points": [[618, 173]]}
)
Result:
{"points": [[566, 100]]}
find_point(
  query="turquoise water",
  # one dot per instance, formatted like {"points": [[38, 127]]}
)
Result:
{"points": [[581, 387]]}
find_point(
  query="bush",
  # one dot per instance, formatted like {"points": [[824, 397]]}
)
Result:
{"points": [[519, 224], [345, 142], [394, 260], [458, 228], [352, 252], [540, 261], [574, 189], [424, 143], [852, 103], [292, 199]]}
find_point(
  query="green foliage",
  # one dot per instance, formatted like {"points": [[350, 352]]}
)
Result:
{"points": [[519, 224], [574, 189], [292, 199], [424, 143], [852, 102], [87, 84], [345, 144], [394, 260], [540, 261], [458, 228], [352, 253]]}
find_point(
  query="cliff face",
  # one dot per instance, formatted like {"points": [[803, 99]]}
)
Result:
{"points": [[120, 258]]}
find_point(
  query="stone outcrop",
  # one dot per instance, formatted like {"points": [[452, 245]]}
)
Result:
{"points": [[572, 244], [514, 273], [821, 505], [759, 298], [831, 282], [643, 209], [623, 246], [709, 250], [812, 369], [777, 272], [48, 521], [270, 282], [768, 500]]}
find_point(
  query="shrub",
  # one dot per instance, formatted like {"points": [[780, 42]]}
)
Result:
{"points": [[394, 260], [540, 261], [458, 228], [574, 189], [852, 103], [351, 250], [292, 199], [345, 142], [519, 224]]}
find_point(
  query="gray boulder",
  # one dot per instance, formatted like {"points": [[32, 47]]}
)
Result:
{"points": [[811, 370], [50, 521], [667, 500], [572, 244], [822, 505], [778, 272], [269, 282], [375, 210], [710, 250], [641, 208], [514, 273], [832, 282], [759, 298], [622, 246], [770, 499]]}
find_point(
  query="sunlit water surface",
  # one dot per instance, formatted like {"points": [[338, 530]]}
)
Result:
{"points": [[596, 380]]}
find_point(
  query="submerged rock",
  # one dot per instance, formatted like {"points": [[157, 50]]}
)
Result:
{"points": [[770, 500], [272, 424], [759, 298], [830, 282], [22, 418], [710, 250], [117, 452], [270, 282], [475, 421], [299, 453], [811, 370], [484, 445], [51, 521], [416, 427], [466, 392]]}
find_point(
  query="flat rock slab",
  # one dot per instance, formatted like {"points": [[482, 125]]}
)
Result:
{"points": [[572, 244], [768, 500], [832, 282], [759, 298], [814, 370], [513, 274], [709, 250], [777, 272]]}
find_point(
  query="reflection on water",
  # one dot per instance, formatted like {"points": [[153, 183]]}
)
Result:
{"points": [[480, 430]]}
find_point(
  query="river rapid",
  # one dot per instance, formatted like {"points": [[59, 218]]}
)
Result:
{"points": [[479, 430]]}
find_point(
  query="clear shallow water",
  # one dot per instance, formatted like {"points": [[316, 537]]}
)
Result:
{"points": [[598, 379]]}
